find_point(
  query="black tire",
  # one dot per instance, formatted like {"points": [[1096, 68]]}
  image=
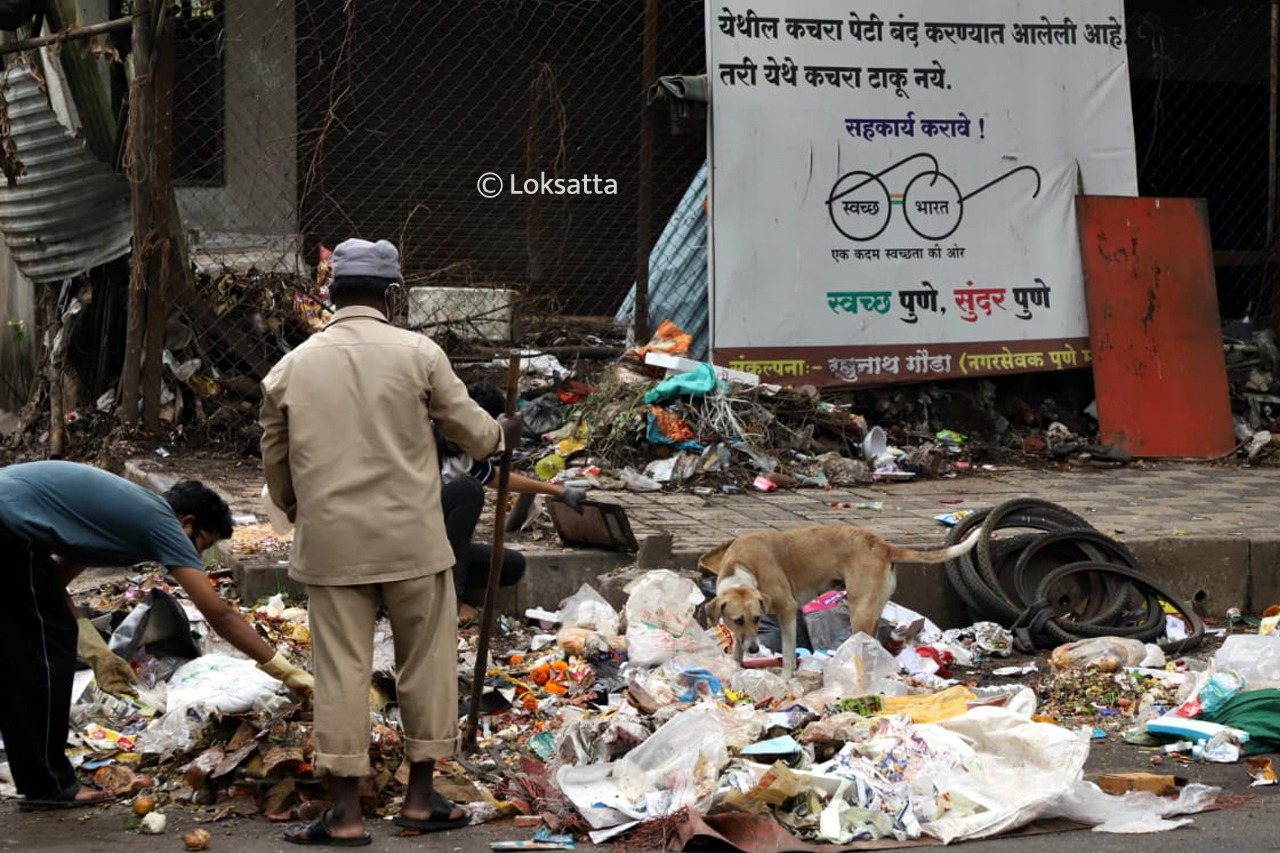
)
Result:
{"points": [[1153, 591], [1093, 546]]}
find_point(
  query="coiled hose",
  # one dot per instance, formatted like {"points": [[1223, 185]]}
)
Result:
{"points": [[1064, 582]]}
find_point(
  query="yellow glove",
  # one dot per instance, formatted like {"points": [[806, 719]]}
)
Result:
{"points": [[298, 680], [112, 672]]}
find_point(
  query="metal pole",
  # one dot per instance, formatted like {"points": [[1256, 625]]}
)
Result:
{"points": [[495, 568], [1272, 153], [69, 34], [644, 187], [1271, 130]]}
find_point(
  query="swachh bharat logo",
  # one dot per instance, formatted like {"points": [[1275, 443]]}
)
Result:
{"points": [[492, 185]]}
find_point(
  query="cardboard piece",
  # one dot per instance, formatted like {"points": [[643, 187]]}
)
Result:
{"points": [[1161, 785]]}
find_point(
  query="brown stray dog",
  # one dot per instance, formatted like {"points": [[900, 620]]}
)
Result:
{"points": [[775, 571]]}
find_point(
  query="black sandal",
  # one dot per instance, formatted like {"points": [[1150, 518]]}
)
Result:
{"points": [[317, 832], [441, 808]]}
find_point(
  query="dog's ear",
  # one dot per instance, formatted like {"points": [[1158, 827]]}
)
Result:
{"points": [[713, 609], [766, 603]]}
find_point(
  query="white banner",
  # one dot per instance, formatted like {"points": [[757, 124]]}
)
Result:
{"points": [[893, 183]]}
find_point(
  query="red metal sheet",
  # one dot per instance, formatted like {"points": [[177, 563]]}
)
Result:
{"points": [[1159, 372]]}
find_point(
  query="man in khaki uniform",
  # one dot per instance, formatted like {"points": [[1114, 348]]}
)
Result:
{"points": [[350, 458]]}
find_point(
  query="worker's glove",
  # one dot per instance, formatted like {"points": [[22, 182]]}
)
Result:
{"points": [[298, 680], [112, 672], [573, 496]]}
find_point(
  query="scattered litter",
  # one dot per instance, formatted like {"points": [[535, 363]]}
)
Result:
{"points": [[1261, 771]]}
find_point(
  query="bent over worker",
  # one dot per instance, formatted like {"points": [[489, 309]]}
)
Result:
{"points": [[55, 518], [349, 456]]}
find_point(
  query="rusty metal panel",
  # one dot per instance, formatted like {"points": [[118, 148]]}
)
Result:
{"points": [[604, 525], [68, 212], [1158, 366]]}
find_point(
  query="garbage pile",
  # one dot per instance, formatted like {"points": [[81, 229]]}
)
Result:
{"points": [[1253, 362], [705, 429], [628, 719]]}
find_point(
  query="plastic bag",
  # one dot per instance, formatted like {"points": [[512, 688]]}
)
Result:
{"points": [[158, 626], [677, 765], [686, 678], [542, 415], [862, 667], [277, 517], [660, 621], [218, 683], [696, 383], [760, 684], [171, 733], [587, 608], [1134, 811], [1106, 654], [1256, 657], [637, 482], [1221, 687]]}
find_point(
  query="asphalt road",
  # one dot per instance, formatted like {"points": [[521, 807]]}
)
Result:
{"points": [[1248, 823]]}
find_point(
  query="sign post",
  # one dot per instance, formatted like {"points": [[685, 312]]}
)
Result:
{"points": [[893, 183]]}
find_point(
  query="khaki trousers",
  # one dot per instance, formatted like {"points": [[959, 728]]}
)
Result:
{"points": [[424, 620]]}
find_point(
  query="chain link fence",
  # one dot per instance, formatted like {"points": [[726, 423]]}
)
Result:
{"points": [[1201, 83], [296, 125], [438, 126]]}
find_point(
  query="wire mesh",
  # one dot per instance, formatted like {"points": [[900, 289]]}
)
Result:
{"points": [[297, 125], [1201, 83]]}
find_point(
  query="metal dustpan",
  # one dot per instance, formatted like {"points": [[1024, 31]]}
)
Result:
{"points": [[603, 525]]}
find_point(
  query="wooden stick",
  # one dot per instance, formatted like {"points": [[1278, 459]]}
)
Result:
{"points": [[495, 567], [141, 163]]}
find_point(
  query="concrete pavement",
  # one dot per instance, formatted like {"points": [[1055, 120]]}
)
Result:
{"points": [[1207, 530]]}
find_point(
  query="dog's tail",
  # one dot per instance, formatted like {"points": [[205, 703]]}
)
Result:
{"points": [[909, 555]]}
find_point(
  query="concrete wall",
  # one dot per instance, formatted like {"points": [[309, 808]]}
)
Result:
{"points": [[260, 192]]}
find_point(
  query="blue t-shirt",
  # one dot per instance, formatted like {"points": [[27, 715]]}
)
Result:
{"points": [[91, 516]]}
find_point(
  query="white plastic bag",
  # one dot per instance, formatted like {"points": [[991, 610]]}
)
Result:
{"points": [[218, 683], [587, 608], [677, 765], [1134, 811], [862, 667], [1256, 657], [660, 621], [169, 734], [279, 521]]}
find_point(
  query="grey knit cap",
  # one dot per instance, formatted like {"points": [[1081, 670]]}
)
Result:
{"points": [[356, 257]]}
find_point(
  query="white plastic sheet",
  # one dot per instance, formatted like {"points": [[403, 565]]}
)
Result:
{"points": [[1134, 811], [1017, 770]]}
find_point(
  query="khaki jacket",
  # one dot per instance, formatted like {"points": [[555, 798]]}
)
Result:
{"points": [[349, 454]]}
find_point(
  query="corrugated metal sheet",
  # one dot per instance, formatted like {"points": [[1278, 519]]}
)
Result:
{"points": [[69, 212], [678, 271]]}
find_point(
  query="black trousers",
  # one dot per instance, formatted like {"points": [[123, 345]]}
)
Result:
{"points": [[463, 500], [38, 638]]}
